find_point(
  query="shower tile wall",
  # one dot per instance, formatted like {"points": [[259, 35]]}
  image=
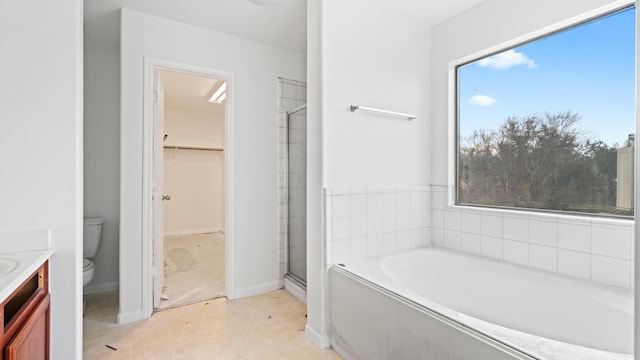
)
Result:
{"points": [[597, 249], [373, 221], [297, 187], [291, 94]]}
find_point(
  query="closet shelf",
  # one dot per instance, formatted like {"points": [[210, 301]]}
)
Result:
{"points": [[189, 147]]}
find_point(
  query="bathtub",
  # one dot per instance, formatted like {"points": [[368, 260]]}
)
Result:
{"points": [[434, 303]]}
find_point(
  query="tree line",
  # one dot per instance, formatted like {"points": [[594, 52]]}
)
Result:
{"points": [[542, 161]]}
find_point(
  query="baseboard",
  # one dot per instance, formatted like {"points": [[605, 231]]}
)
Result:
{"points": [[255, 290], [125, 318], [193, 232], [321, 341], [100, 288], [295, 290]]}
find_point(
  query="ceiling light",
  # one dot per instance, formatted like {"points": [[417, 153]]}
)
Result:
{"points": [[220, 94]]}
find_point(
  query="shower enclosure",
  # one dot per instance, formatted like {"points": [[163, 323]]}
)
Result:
{"points": [[297, 191]]}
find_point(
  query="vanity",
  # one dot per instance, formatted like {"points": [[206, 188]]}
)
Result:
{"points": [[24, 305]]}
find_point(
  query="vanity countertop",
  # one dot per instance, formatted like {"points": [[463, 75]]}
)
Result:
{"points": [[29, 249], [27, 263]]}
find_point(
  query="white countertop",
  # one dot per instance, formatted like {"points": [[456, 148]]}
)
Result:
{"points": [[28, 263], [30, 249]]}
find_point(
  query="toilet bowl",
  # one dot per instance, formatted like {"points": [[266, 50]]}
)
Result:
{"points": [[91, 241], [88, 270]]}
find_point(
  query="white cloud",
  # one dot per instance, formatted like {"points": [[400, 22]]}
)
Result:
{"points": [[482, 100], [507, 59]]}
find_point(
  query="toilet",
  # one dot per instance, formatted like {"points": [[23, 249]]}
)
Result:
{"points": [[91, 241]]}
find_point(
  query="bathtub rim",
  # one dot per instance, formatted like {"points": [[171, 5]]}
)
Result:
{"points": [[409, 297]]}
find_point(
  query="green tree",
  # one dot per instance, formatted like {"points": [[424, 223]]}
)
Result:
{"points": [[539, 161]]}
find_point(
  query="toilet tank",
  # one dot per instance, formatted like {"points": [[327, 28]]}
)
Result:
{"points": [[91, 236]]}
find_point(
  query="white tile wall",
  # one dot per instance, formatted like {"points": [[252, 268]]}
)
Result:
{"points": [[359, 247], [574, 263], [491, 247], [452, 239], [389, 202], [614, 241], [437, 236], [382, 220], [516, 228], [470, 222], [516, 252], [574, 236], [374, 224], [543, 232], [374, 245], [374, 203], [598, 249], [358, 226], [404, 240], [491, 225], [366, 222], [543, 257], [452, 220], [610, 270], [404, 221], [470, 242]]}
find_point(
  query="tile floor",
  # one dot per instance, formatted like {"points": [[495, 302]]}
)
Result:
{"points": [[267, 326], [194, 269]]}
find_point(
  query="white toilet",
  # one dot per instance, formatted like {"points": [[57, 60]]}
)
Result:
{"points": [[91, 241]]}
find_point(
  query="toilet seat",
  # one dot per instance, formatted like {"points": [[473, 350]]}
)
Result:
{"points": [[87, 265], [88, 269]]}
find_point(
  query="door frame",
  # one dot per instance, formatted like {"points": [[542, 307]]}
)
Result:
{"points": [[151, 65]]}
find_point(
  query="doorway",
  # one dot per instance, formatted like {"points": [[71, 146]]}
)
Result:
{"points": [[190, 171]]}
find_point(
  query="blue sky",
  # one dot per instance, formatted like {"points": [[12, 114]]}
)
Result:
{"points": [[589, 69]]}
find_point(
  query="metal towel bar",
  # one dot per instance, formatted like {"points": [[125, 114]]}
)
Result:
{"points": [[392, 113]]}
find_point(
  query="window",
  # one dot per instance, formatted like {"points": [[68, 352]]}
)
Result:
{"points": [[550, 124]]}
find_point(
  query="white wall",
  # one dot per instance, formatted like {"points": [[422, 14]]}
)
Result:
{"points": [[102, 151], [255, 68], [193, 178], [41, 146], [186, 126], [316, 328], [380, 60]]}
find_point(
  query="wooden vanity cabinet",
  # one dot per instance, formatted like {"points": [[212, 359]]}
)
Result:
{"points": [[25, 319]]}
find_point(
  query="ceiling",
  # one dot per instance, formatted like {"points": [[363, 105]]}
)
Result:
{"points": [[191, 92], [283, 26]]}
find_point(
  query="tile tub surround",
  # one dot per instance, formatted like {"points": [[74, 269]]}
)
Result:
{"points": [[372, 221], [591, 248]]}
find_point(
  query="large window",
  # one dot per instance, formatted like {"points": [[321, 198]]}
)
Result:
{"points": [[550, 124]]}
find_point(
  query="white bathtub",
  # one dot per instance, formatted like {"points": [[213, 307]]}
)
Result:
{"points": [[473, 308]]}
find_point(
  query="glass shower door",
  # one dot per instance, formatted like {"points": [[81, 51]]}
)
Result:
{"points": [[297, 187]]}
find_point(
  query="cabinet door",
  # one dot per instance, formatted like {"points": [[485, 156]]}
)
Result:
{"points": [[31, 341]]}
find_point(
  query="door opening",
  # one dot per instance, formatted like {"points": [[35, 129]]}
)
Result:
{"points": [[190, 190]]}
